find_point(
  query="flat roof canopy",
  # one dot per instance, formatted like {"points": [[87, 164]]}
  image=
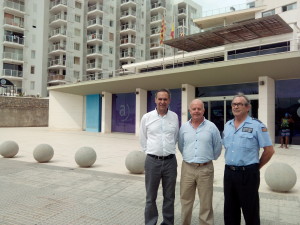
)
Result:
{"points": [[238, 32]]}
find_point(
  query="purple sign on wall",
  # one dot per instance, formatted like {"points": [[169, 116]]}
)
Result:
{"points": [[123, 113]]}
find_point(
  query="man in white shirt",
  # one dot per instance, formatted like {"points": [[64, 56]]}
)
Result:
{"points": [[158, 137]]}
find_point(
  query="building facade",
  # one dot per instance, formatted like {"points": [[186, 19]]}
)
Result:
{"points": [[53, 42]]}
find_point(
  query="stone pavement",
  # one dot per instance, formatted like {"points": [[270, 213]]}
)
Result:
{"points": [[59, 192]]}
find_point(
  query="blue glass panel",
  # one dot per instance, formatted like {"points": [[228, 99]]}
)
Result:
{"points": [[93, 113]]}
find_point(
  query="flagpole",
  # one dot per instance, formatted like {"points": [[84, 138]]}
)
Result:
{"points": [[164, 31], [173, 30]]}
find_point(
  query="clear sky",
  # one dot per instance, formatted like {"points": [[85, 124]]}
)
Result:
{"points": [[216, 4]]}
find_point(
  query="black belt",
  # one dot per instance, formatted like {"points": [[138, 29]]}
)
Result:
{"points": [[162, 157], [242, 168]]}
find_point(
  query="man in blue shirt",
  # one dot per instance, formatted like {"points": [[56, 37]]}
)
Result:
{"points": [[200, 143], [243, 138], [158, 138]]}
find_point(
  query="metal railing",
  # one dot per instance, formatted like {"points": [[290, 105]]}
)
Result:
{"points": [[128, 13], [14, 5], [92, 76], [95, 7], [94, 21], [94, 50], [14, 39], [93, 65], [155, 31], [127, 54], [57, 62], [125, 1], [157, 4], [156, 18], [128, 26], [127, 40], [13, 22], [57, 47], [181, 11], [155, 45], [12, 56], [57, 2], [12, 73], [94, 36], [58, 31], [231, 9], [58, 17]]}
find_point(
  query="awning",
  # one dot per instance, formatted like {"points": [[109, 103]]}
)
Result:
{"points": [[238, 32]]}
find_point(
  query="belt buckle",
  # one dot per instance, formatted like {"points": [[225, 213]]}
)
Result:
{"points": [[160, 157], [232, 168]]}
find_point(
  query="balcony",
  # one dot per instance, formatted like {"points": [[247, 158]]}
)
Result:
{"points": [[127, 55], [13, 8], [13, 41], [57, 63], [57, 49], [94, 66], [14, 24], [94, 52], [12, 74], [95, 10], [155, 31], [57, 34], [56, 79], [182, 13], [158, 7], [58, 6], [128, 15], [155, 46], [93, 76], [58, 20], [94, 24], [229, 15], [128, 29], [127, 42], [13, 57], [128, 4], [156, 19], [94, 39]]}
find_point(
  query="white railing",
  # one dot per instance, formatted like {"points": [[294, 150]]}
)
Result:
{"points": [[12, 73], [156, 18], [94, 50], [57, 47], [94, 21], [127, 26], [14, 39], [127, 54], [57, 2], [12, 56], [92, 76], [127, 40], [14, 5], [57, 62], [181, 11], [155, 31], [125, 1], [94, 65], [57, 17], [94, 36], [231, 9], [128, 13], [157, 4], [155, 45], [95, 7], [14, 22], [57, 31]]}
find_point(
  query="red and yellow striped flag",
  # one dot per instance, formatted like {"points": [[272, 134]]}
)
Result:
{"points": [[162, 31], [172, 31]]}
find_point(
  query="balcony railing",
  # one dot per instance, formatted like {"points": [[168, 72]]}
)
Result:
{"points": [[128, 13], [127, 54], [57, 2], [94, 50], [128, 26], [57, 31], [95, 21], [57, 62], [14, 22], [95, 7], [181, 11], [57, 47], [156, 18], [155, 45], [94, 36], [125, 1], [127, 40], [157, 4], [58, 17], [93, 76], [155, 31], [14, 39], [93, 65], [12, 56], [14, 5], [53, 77], [12, 73]]}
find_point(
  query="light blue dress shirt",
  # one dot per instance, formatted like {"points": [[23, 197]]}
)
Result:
{"points": [[199, 145], [159, 134], [242, 145]]}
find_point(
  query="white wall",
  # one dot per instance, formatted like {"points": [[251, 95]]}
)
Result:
{"points": [[65, 111]]}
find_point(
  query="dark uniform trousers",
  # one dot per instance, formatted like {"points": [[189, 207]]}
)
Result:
{"points": [[166, 171], [241, 184]]}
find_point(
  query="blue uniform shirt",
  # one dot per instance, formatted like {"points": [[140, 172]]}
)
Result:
{"points": [[199, 145], [242, 145]]}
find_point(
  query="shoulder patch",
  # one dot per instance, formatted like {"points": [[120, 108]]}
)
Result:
{"points": [[264, 129]]}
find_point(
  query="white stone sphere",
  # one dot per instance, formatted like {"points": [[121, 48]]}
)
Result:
{"points": [[9, 149], [85, 156], [135, 162], [280, 177], [43, 153]]}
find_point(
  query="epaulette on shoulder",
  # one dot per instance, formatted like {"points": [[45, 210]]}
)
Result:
{"points": [[256, 119]]}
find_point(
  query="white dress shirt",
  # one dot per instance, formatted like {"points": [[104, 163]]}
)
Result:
{"points": [[159, 134]]}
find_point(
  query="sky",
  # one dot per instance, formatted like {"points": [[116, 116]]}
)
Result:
{"points": [[216, 4]]}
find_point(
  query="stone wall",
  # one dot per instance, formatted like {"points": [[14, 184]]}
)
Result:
{"points": [[23, 112]]}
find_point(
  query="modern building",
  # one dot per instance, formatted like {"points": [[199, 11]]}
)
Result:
{"points": [[53, 42]]}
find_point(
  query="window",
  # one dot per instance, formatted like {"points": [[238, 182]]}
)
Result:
{"points": [[111, 50], [33, 54], [142, 53], [111, 23], [142, 40], [77, 32], [78, 5], [76, 60], [289, 7], [268, 13], [77, 46], [111, 36], [112, 10], [110, 63], [77, 18], [32, 85], [76, 74], [32, 69]]}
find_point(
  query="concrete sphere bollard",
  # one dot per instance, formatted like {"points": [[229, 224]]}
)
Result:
{"points": [[135, 162], [43, 153], [9, 149], [85, 156], [280, 177]]}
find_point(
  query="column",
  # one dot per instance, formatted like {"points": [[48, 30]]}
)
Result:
{"points": [[187, 95], [266, 104], [140, 108], [106, 112]]}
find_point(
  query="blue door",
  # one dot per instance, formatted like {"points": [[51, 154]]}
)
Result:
{"points": [[93, 113]]}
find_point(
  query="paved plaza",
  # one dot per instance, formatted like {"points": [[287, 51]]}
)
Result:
{"points": [[61, 193]]}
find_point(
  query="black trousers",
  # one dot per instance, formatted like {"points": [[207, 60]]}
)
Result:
{"points": [[166, 171], [241, 186]]}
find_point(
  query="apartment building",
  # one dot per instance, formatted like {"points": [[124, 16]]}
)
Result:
{"points": [[54, 42]]}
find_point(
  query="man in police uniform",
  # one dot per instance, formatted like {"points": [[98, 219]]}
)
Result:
{"points": [[243, 138]]}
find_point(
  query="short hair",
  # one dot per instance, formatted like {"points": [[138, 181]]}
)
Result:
{"points": [[242, 95], [163, 90]]}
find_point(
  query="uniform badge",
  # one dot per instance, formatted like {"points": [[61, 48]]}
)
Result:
{"points": [[264, 129], [247, 129]]}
